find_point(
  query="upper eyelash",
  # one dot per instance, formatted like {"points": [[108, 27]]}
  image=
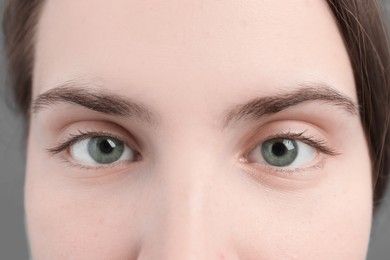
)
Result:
{"points": [[74, 138], [318, 144], [309, 140]]}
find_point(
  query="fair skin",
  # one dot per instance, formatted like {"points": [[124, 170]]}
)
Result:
{"points": [[189, 184]]}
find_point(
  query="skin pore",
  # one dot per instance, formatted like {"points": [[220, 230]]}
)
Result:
{"points": [[193, 91]]}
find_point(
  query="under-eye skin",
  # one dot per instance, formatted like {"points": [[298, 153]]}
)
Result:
{"points": [[95, 149], [287, 151]]}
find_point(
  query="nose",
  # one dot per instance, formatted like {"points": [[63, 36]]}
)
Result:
{"points": [[185, 218]]}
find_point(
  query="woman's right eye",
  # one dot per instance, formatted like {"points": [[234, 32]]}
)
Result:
{"points": [[101, 150]]}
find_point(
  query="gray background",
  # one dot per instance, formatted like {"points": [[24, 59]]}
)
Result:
{"points": [[13, 243]]}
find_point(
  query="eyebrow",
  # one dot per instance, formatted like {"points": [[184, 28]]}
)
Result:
{"points": [[257, 108], [108, 103], [93, 99]]}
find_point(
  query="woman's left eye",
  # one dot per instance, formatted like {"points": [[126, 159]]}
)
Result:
{"points": [[101, 150], [283, 152]]}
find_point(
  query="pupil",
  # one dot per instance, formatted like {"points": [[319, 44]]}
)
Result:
{"points": [[279, 149], [106, 146]]}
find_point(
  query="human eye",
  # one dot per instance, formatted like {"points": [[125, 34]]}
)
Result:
{"points": [[92, 149], [288, 151]]}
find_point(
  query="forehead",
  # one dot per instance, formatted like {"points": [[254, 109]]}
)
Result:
{"points": [[182, 45]]}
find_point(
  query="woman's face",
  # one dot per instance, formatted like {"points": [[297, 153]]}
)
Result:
{"points": [[195, 130]]}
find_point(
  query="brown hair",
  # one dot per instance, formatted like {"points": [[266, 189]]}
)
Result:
{"points": [[361, 24]]}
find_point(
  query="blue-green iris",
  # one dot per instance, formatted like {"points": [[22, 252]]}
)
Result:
{"points": [[105, 150], [279, 152]]}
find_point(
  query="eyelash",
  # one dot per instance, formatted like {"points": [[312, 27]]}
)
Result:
{"points": [[81, 135], [320, 145]]}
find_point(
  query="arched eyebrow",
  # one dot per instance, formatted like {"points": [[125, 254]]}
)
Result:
{"points": [[98, 100], [259, 107], [102, 101]]}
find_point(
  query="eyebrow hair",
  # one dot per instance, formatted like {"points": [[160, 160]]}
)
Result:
{"points": [[260, 107], [97, 100], [112, 104]]}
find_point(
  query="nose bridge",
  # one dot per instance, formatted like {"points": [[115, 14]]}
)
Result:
{"points": [[186, 171], [186, 182], [185, 174]]}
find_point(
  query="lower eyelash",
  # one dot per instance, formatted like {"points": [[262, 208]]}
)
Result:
{"points": [[320, 145], [74, 138], [90, 167], [290, 172]]}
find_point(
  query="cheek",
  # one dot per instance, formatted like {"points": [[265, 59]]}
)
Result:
{"points": [[323, 224], [331, 220], [75, 221]]}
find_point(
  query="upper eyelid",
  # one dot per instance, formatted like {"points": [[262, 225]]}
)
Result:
{"points": [[294, 173], [305, 138], [302, 136], [75, 138], [299, 136]]}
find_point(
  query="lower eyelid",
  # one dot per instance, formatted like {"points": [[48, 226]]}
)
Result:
{"points": [[266, 173], [318, 163], [64, 150], [118, 165], [83, 150], [95, 172], [291, 172]]}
